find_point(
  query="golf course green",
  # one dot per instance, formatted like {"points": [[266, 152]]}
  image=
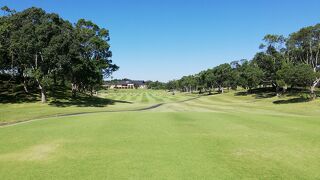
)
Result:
{"points": [[148, 134]]}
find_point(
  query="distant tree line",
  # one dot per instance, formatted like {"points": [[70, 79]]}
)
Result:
{"points": [[39, 50], [156, 85], [282, 63]]}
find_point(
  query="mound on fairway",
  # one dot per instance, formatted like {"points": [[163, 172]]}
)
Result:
{"points": [[212, 137]]}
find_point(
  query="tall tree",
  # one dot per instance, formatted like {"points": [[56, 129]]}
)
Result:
{"points": [[222, 76], [271, 59], [304, 47], [300, 75], [93, 62], [43, 47], [250, 75]]}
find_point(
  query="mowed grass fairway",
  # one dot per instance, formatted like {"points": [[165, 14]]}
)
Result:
{"points": [[210, 137], [113, 100]]}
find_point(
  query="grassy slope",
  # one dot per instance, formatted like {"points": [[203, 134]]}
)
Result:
{"points": [[221, 137], [230, 103], [108, 101]]}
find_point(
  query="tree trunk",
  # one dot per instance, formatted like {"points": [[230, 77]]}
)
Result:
{"points": [[220, 89], [43, 94], [74, 89], [91, 91], [313, 87], [25, 85], [277, 91], [284, 89]]}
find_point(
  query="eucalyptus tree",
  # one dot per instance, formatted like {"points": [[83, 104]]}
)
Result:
{"points": [[172, 85], [209, 79], [8, 25], [193, 83], [5, 33], [250, 75], [155, 85], [184, 84], [43, 47], [223, 75], [283, 62], [92, 61], [27, 43], [200, 81], [304, 47], [299, 75], [271, 58]]}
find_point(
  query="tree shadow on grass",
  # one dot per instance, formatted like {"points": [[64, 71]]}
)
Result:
{"points": [[259, 93], [85, 102], [265, 95], [242, 93], [297, 95], [292, 100], [17, 97], [211, 94], [60, 97]]}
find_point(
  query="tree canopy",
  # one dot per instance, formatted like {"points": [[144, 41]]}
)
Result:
{"points": [[283, 61], [42, 48]]}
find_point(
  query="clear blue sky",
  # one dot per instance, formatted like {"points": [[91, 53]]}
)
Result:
{"points": [[166, 39]]}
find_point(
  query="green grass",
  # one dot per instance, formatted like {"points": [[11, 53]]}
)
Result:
{"points": [[212, 137], [106, 101]]}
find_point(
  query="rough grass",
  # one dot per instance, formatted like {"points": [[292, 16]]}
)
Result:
{"points": [[212, 137]]}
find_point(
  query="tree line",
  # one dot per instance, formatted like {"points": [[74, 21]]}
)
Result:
{"points": [[39, 50], [282, 63], [157, 85]]}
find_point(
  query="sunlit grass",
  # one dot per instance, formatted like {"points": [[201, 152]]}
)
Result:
{"points": [[222, 136], [111, 100]]}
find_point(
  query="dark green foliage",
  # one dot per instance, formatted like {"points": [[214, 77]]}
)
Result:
{"points": [[172, 85], [43, 48], [250, 75], [155, 85], [300, 75], [283, 62], [188, 83], [222, 76]]}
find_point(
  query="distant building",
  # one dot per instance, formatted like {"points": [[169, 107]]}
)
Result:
{"points": [[126, 84]]}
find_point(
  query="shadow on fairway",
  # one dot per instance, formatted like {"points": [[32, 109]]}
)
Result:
{"points": [[294, 93], [293, 100], [211, 94], [259, 93], [17, 97], [297, 95], [86, 102], [58, 96]]}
